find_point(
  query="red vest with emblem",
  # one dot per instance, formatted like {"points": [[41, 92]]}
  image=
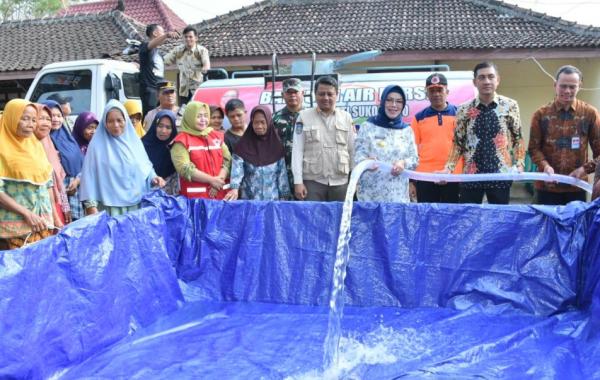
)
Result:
{"points": [[206, 153]]}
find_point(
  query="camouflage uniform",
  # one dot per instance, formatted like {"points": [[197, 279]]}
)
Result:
{"points": [[284, 121]]}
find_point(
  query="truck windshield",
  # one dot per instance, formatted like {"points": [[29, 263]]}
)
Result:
{"points": [[76, 84]]}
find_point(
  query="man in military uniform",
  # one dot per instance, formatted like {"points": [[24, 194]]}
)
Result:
{"points": [[284, 120], [323, 147]]}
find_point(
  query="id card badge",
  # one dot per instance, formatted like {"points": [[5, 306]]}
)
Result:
{"points": [[575, 143]]}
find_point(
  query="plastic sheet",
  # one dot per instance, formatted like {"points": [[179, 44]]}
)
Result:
{"points": [[454, 291]]}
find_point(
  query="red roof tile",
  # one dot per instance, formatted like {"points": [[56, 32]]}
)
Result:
{"points": [[144, 11], [26, 45], [346, 26]]}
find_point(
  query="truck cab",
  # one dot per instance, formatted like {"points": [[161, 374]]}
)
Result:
{"points": [[90, 84]]}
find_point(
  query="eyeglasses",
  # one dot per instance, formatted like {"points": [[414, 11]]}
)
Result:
{"points": [[394, 101]]}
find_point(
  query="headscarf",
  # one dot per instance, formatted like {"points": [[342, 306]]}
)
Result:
{"points": [[116, 170], [260, 150], [133, 107], [70, 154], [51, 152], [21, 158], [158, 151], [81, 123], [188, 123], [382, 120]]}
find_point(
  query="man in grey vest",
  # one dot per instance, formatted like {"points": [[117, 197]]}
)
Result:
{"points": [[323, 147]]}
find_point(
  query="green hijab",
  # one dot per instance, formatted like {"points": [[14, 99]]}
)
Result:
{"points": [[188, 124]]}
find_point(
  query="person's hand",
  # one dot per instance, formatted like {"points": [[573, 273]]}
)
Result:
{"points": [[158, 182], [58, 223], [72, 188], [36, 222], [549, 170], [578, 173], [217, 182], [300, 191], [91, 210], [397, 167], [68, 217], [412, 191], [443, 171], [173, 34], [232, 195], [520, 168], [374, 167]]}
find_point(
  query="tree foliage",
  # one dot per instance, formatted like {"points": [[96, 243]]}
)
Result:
{"points": [[26, 9]]}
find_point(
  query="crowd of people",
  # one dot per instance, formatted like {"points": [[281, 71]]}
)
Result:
{"points": [[52, 174]]}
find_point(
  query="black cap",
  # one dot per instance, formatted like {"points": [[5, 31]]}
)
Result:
{"points": [[60, 99], [436, 80]]}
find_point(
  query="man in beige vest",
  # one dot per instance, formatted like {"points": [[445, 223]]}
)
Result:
{"points": [[323, 146]]}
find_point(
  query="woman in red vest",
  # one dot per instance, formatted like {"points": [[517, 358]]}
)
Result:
{"points": [[200, 155]]}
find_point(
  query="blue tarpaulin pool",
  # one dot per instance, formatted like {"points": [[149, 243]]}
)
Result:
{"points": [[214, 290]]}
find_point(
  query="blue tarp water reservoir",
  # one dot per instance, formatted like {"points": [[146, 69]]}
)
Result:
{"points": [[213, 290]]}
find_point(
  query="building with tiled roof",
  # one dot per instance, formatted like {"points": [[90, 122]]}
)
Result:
{"points": [[143, 11], [26, 46], [413, 29]]}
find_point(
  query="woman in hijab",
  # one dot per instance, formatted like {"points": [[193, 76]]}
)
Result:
{"points": [[387, 138], [71, 158], [258, 167], [117, 172], [42, 132], [25, 179], [84, 129], [134, 111], [157, 142], [200, 155]]}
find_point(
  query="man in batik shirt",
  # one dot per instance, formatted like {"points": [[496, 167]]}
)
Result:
{"points": [[488, 137], [560, 134]]}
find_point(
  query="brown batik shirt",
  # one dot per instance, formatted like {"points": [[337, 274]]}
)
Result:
{"points": [[560, 138]]}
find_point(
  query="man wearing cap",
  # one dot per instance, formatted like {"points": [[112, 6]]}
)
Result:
{"points": [[323, 147], [167, 101], [284, 120], [434, 129], [65, 107], [560, 134], [488, 138], [192, 61], [152, 66]]}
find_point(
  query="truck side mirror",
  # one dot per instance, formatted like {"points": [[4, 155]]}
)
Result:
{"points": [[112, 85]]}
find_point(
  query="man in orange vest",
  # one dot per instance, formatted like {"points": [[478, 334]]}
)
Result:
{"points": [[434, 130]]}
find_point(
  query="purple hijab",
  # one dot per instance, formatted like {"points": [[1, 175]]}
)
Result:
{"points": [[83, 120]]}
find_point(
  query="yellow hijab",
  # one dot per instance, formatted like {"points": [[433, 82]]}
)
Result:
{"points": [[188, 124], [21, 158], [133, 107]]}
